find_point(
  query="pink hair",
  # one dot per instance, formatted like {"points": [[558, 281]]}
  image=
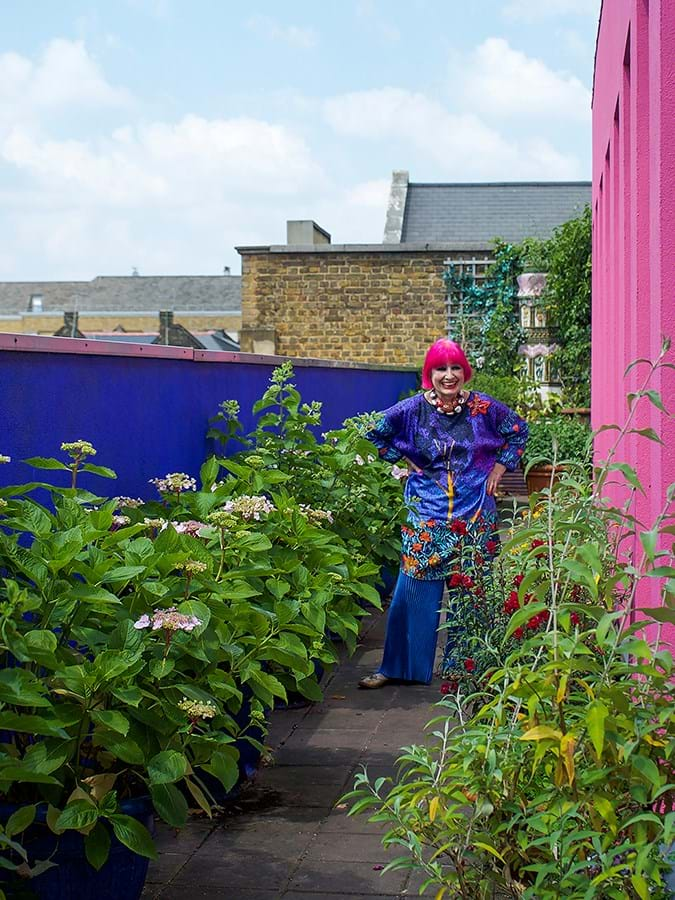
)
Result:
{"points": [[440, 354]]}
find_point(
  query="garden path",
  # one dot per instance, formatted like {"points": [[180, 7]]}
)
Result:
{"points": [[288, 836]]}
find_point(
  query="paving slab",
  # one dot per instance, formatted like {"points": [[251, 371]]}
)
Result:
{"points": [[287, 835], [350, 877]]}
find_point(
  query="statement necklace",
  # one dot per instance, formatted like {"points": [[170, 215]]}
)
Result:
{"points": [[448, 407]]}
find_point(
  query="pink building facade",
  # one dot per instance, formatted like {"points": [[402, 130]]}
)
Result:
{"points": [[634, 235]]}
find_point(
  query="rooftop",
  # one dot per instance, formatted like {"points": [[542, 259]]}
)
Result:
{"points": [[128, 293], [480, 212]]}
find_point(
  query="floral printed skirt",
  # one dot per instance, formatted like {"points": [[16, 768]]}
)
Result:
{"points": [[461, 554], [435, 550]]}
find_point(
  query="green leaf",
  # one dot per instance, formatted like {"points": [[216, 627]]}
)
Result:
{"points": [[170, 804], [20, 820], [40, 645], [78, 814], [103, 471], [121, 574], [133, 835], [367, 591], [199, 796], [97, 596], [44, 462], [649, 540], [112, 719], [158, 668], [167, 767], [21, 688], [596, 714], [647, 768], [97, 845], [646, 432], [641, 886], [130, 695], [277, 587], [30, 724], [606, 809], [124, 748], [224, 767], [489, 849], [254, 543], [629, 474]]}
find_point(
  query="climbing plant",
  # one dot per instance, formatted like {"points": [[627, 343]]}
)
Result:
{"points": [[484, 315], [568, 297]]}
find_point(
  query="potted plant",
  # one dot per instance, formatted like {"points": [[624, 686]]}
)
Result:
{"points": [[554, 442], [107, 699]]}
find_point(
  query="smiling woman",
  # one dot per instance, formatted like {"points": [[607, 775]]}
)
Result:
{"points": [[457, 444]]}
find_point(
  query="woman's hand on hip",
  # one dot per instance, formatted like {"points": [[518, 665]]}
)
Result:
{"points": [[494, 478]]}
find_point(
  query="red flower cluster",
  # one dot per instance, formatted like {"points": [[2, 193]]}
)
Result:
{"points": [[458, 527], [519, 633], [491, 546], [537, 542], [469, 664], [575, 619], [538, 620], [448, 687], [459, 580], [518, 580], [511, 604]]}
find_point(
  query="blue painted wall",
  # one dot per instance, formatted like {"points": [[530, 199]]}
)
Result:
{"points": [[149, 416]]}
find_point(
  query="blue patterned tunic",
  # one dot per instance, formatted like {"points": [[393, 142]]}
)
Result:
{"points": [[455, 454]]}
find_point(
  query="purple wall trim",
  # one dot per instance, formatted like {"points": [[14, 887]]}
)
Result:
{"points": [[147, 414]]}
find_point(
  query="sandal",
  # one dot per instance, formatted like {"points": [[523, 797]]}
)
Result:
{"points": [[377, 680]]}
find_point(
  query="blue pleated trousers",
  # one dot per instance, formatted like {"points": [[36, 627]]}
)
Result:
{"points": [[412, 629]]}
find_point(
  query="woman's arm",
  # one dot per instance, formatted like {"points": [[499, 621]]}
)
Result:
{"points": [[514, 430], [383, 431]]}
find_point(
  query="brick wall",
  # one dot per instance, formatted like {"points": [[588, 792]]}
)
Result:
{"points": [[370, 306]]}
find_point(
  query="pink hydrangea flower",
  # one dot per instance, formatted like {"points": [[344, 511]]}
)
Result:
{"points": [[169, 620]]}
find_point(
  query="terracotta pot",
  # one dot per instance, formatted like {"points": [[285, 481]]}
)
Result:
{"points": [[539, 477]]}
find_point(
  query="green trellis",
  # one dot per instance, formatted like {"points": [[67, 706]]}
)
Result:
{"points": [[483, 315]]}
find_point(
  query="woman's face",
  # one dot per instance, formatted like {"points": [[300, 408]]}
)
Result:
{"points": [[447, 380]]}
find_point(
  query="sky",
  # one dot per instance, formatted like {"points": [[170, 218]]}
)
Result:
{"points": [[161, 134]]}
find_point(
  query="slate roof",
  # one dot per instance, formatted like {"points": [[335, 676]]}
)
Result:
{"points": [[211, 340], [482, 212], [131, 293]]}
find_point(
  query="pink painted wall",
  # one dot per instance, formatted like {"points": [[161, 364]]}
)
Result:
{"points": [[634, 236]]}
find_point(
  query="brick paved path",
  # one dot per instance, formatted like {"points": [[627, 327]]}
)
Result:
{"points": [[287, 838]]}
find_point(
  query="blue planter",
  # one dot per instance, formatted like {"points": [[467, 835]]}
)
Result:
{"points": [[122, 876], [249, 756]]}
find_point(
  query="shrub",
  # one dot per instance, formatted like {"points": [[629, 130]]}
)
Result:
{"points": [[554, 776], [562, 438]]}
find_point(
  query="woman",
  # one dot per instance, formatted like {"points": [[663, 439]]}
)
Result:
{"points": [[457, 444]]}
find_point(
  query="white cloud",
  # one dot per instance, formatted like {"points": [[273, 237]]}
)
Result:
{"points": [[369, 14], [530, 11], [461, 146], [170, 164], [294, 35], [497, 80], [370, 195], [64, 76]]}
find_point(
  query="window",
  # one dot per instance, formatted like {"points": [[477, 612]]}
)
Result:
{"points": [[35, 303]]}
